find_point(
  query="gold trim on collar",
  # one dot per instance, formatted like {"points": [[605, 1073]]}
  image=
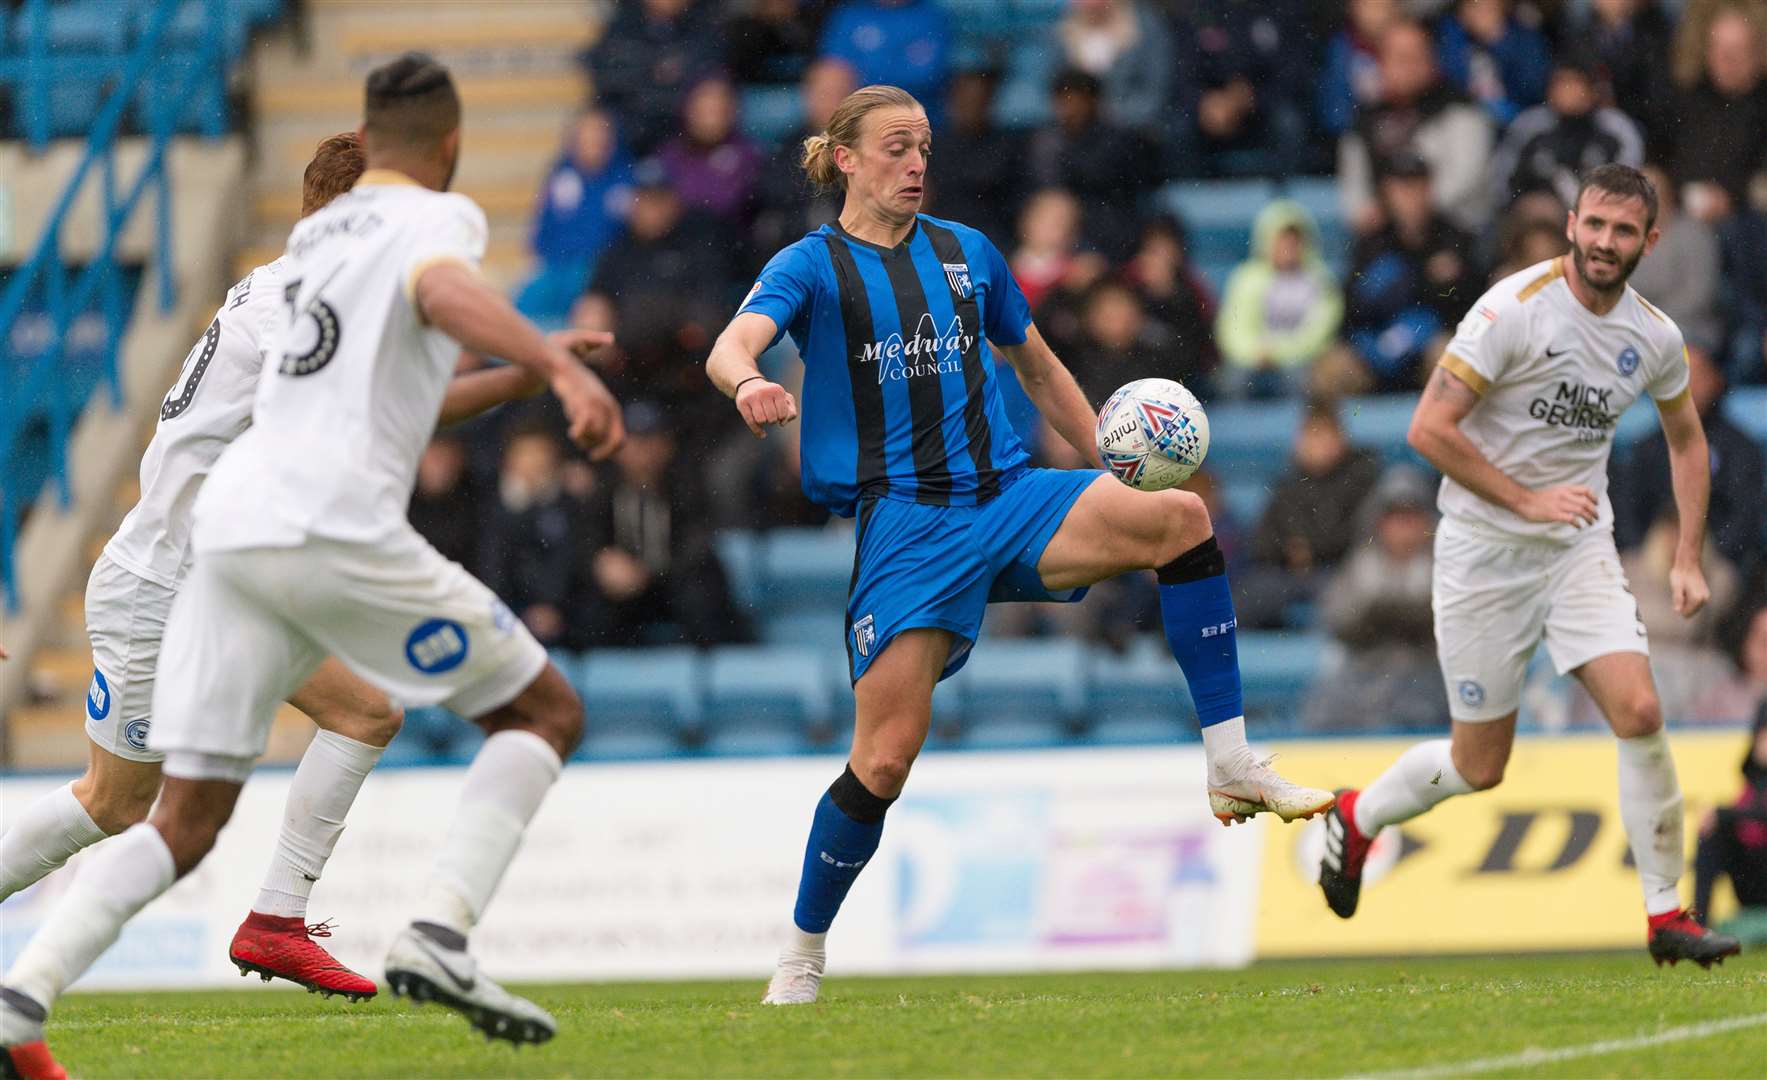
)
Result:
{"points": [[1532, 287]]}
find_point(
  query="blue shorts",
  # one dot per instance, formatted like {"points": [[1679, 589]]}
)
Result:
{"points": [[920, 565]]}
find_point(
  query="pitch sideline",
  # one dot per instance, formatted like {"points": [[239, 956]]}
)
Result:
{"points": [[1539, 1056]]}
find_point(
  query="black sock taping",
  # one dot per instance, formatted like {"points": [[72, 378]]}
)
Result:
{"points": [[853, 800], [441, 935], [23, 1005], [1202, 561]]}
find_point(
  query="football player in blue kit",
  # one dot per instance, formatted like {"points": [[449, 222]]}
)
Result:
{"points": [[899, 318]]}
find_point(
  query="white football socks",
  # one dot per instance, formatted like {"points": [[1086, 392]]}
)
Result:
{"points": [[1422, 777], [43, 837], [1650, 808], [504, 787], [330, 774], [119, 882], [1225, 749]]}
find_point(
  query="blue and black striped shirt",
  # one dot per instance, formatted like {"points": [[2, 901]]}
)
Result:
{"points": [[901, 399]]}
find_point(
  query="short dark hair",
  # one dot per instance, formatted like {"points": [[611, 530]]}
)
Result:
{"points": [[410, 102], [1622, 182], [336, 165]]}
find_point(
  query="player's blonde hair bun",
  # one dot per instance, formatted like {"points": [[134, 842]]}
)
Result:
{"points": [[843, 130]]}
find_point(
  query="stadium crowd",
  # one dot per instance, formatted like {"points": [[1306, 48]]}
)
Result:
{"points": [[1455, 131]]}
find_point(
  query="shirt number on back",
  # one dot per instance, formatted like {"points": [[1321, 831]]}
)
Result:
{"points": [[316, 327], [196, 365]]}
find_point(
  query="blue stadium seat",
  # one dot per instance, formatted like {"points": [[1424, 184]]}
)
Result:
{"points": [[1245, 500], [75, 26], [815, 629], [433, 736], [1142, 681], [739, 554], [1219, 203], [777, 689], [1379, 422], [655, 690], [1276, 669], [1026, 732], [769, 113], [1746, 406], [624, 742], [1025, 679], [807, 568]]}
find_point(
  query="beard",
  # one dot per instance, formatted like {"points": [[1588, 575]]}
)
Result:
{"points": [[1622, 269]]}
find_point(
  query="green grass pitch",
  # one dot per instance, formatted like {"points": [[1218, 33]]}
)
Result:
{"points": [[1329, 1018]]}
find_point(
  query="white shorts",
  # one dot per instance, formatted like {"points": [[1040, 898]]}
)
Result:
{"points": [[250, 626], [125, 620], [1494, 602]]}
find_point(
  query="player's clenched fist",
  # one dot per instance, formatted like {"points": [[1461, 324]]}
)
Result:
{"points": [[761, 403], [593, 416], [1572, 504], [1688, 589]]}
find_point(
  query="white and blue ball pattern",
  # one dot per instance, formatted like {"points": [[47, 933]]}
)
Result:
{"points": [[1153, 434]]}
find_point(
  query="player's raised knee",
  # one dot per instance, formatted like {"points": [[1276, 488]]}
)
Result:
{"points": [[1481, 775], [375, 723], [884, 774], [1639, 713], [559, 720], [1184, 521]]}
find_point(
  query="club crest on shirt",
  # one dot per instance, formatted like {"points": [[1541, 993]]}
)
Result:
{"points": [[958, 275], [1627, 360], [864, 636]]}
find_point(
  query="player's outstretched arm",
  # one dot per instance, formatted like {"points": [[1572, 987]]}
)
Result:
{"points": [[733, 370], [1051, 387], [1435, 433], [1690, 474], [477, 392], [456, 300]]}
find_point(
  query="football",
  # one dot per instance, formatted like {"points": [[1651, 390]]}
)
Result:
{"points": [[1152, 434]]}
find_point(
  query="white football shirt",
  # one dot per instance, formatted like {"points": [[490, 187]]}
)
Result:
{"points": [[1553, 377], [207, 408], [354, 378]]}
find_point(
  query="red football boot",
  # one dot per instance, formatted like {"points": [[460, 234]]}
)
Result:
{"points": [[274, 946], [1677, 935], [1346, 849], [29, 1061]]}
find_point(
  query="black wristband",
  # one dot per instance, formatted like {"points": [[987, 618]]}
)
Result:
{"points": [[739, 386]]}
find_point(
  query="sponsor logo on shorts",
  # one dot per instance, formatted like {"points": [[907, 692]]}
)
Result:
{"points": [[864, 635], [1627, 360], [135, 733], [1472, 695], [98, 696], [437, 645]]}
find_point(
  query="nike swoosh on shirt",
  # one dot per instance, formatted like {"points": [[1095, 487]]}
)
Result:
{"points": [[441, 960], [1550, 355]]}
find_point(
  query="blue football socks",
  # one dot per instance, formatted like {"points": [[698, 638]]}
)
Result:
{"points": [[1197, 610], [843, 838]]}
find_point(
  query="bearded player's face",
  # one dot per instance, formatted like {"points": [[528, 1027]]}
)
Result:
{"points": [[1608, 236], [889, 169]]}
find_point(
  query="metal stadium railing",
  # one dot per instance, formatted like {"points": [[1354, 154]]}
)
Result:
{"points": [[45, 287]]}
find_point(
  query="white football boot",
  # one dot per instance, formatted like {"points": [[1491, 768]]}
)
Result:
{"points": [[798, 977], [1258, 789], [424, 969]]}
